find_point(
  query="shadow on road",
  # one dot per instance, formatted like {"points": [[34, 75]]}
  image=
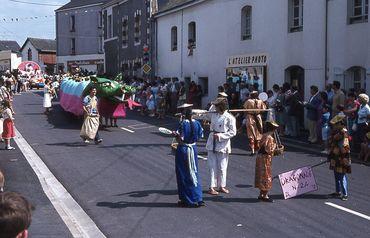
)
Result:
{"points": [[221, 199], [123, 204], [146, 193], [131, 145], [304, 196], [72, 144], [244, 186]]}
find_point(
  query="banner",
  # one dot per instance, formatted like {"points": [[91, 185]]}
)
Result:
{"points": [[297, 182]]}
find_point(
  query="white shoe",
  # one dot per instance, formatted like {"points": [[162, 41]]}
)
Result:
{"points": [[87, 141], [9, 148], [325, 152]]}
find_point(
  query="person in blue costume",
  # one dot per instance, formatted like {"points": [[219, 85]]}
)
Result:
{"points": [[186, 161]]}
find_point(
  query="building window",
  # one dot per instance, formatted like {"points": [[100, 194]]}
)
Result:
{"points": [[72, 23], [295, 15], [358, 11], [137, 27], [246, 23], [125, 32], [109, 27], [100, 20], [29, 55], [73, 46], [192, 40], [174, 38]]}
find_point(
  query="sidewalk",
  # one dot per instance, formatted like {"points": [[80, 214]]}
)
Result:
{"points": [[20, 178]]}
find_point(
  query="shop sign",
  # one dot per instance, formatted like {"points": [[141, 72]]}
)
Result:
{"points": [[247, 60], [86, 62]]}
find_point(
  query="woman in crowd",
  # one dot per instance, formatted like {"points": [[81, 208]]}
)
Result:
{"points": [[187, 173], [363, 116], [47, 96], [263, 172], [279, 112], [198, 97], [161, 105], [351, 107], [8, 125], [339, 156]]}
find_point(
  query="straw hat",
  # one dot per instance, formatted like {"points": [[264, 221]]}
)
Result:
{"points": [[364, 97], [185, 105], [273, 124], [219, 101], [222, 94], [337, 119]]}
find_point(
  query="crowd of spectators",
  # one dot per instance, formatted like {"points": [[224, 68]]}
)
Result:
{"points": [[159, 97]]}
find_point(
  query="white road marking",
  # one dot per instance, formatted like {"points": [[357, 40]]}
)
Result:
{"points": [[348, 210], [140, 124], [144, 127], [201, 157], [125, 129], [75, 218]]}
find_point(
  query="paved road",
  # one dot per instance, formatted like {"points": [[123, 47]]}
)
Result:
{"points": [[127, 184], [21, 178]]}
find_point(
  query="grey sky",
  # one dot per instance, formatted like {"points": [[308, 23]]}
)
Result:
{"points": [[41, 27]]}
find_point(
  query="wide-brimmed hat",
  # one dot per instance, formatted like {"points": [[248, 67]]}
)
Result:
{"points": [[222, 94], [337, 119], [219, 101], [185, 105], [273, 124], [364, 97], [253, 93]]}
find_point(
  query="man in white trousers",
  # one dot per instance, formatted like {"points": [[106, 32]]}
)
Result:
{"points": [[222, 129]]}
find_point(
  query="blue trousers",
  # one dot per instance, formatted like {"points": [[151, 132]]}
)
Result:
{"points": [[341, 185]]}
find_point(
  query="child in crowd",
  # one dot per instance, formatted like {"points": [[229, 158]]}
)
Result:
{"points": [[8, 125], [340, 109], [325, 130], [365, 148], [161, 105], [150, 103]]}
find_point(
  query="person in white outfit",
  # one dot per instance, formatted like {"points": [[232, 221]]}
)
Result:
{"points": [[47, 96], [222, 129]]}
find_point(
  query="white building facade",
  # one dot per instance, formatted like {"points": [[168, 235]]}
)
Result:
{"points": [[265, 42], [9, 60]]}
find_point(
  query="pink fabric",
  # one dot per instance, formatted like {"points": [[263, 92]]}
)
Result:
{"points": [[71, 103], [110, 109]]}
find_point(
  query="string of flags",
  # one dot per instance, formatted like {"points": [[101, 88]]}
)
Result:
{"points": [[19, 19], [32, 18]]}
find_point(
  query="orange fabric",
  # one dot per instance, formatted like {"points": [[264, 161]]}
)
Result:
{"points": [[263, 171]]}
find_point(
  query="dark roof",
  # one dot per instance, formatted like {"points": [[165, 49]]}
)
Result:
{"points": [[80, 3], [172, 4], [42, 44], [9, 45]]}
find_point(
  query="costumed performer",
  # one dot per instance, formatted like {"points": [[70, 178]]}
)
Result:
{"points": [[254, 121], [8, 125], [339, 156], [47, 96], [222, 129], [263, 171], [187, 172], [90, 127]]}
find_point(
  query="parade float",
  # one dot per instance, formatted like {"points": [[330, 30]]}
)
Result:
{"points": [[32, 71], [114, 97]]}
